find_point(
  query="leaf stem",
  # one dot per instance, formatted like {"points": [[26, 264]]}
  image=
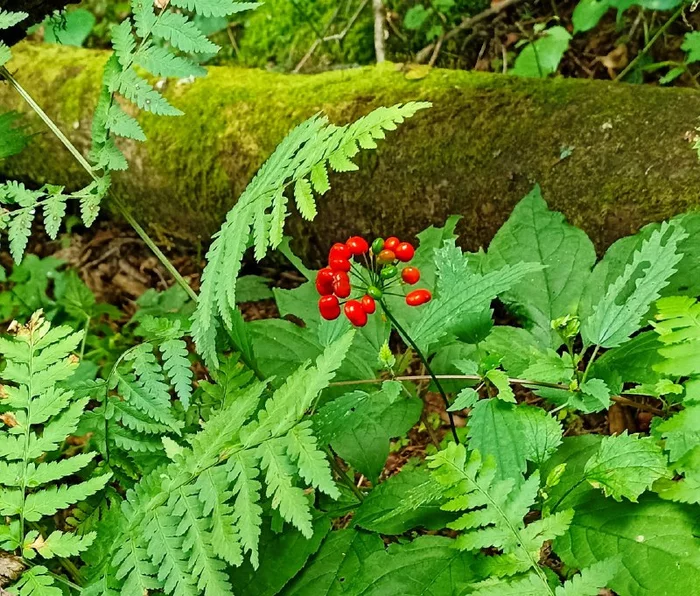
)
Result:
{"points": [[434, 378], [89, 169]]}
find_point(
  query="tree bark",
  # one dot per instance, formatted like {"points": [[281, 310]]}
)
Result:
{"points": [[612, 157], [37, 10]]}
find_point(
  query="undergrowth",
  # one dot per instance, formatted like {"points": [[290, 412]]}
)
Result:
{"points": [[188, 451]]}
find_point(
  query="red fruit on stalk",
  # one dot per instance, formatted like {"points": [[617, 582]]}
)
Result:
{"points": [[391, 243], [418, 297], [329, 307], [386, 256], [357, 245], [404, 252], [355, 313], [339, 251], [341, 284], [410, 275], [338, 264], [324, 281], [368, 304]]}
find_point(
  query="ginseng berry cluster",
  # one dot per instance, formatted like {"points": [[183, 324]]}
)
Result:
{"points": [[376, 279]]}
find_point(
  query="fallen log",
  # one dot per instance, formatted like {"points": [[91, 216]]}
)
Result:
{"points": [[610, 156]]}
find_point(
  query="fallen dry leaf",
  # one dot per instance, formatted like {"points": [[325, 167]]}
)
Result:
{"points": [[615, 60]]}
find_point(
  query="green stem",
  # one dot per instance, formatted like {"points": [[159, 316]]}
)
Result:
{"points": [[590, 363], [651, 42], [408, 338], [342, 474], [89, 169]]}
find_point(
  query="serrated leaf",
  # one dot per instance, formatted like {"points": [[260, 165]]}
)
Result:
{"points": [[626, 466], [304, 198], [183, 34], [124, 125], [535, 234], [215, 8]]}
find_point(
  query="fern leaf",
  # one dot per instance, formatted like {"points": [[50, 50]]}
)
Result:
{"points": [[177, 366], [591, 580], [162, 63], [619, 312], [123, 125], [54, 212], [59, 544], [311, 146], [215, 8], [183, 34], [678, 326], [20, 229], [5, 54], [124, 43], [49, 501], [10, 19], [243, 471], [139, 91], [36, 581], [313, 465], [144, 17]]}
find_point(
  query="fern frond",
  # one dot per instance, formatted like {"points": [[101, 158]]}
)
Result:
{"points": [[162, 63], [183, 34], [204, 510], [678, 326], [177, 366], [215, 8], [311, 147], [38, 360], [493, 513]]}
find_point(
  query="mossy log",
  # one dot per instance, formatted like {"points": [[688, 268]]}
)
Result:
{"points": [[610, 156]]}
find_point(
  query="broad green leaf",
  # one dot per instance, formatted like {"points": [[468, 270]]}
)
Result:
{"points": [[588, 13], [632, 362], [541, 57], [359, 426], [534, 234], [620, 308], [626, 466], [70, 29], [384, 511], [691, 45], [12, 135], [681, 432], [512, 435], [429, 566], [517, 348], [656, 541], [335, 565], [282, 556]]}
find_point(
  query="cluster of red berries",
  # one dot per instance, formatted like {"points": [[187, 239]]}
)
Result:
{"points": [[375, 280]]}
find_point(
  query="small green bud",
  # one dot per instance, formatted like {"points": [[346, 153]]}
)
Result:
{"points": [[377, 245], [388, 272], [375, 292]]}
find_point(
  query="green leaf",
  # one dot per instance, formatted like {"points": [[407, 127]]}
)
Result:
{"points": [[359, 426], [253, 288], [501, 382], [70, 29], [13, 139], [10, 19], [123, 125], [594, 396], [282, 556], [461, 292], [588, 13], [215, 8], [512, 435], [36, 581], [183, 34], [159, 61], [632, 362], [303, 195], [626, 466], [541, 57], [678, 329], [534, 234], [139, 91], [691, 45], [655, 540], [591, 580], [389, 508], [430, 566], [466, 398], [620, 308], [338, 561]]}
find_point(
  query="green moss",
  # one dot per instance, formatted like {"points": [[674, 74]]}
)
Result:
{"points": [[486, 141]]}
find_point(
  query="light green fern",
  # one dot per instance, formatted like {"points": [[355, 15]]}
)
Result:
{"points": [[302, 161], [39, 415], [185, 523], [7, 20]]}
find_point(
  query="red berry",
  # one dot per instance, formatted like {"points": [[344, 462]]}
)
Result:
{"points": [[341, 284], [338, 264], [324, 281], [410, 275], [368, 304], [339, 251], [357, 245], [355, 313], [391, 243], [418, 297], [404, 252], [386, 256], [329, 307]]}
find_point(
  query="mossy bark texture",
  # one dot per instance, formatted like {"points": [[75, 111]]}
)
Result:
{"points": [[610, 156]]}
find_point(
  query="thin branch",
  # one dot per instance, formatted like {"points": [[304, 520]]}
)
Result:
{"points": [[379, 30], [524, 382], [466, 23]]}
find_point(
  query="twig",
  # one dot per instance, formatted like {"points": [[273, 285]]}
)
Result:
{"points": [[436, 51], [466, 23], [616, 398], [335, 37], [647, 47], [379, 31]]}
